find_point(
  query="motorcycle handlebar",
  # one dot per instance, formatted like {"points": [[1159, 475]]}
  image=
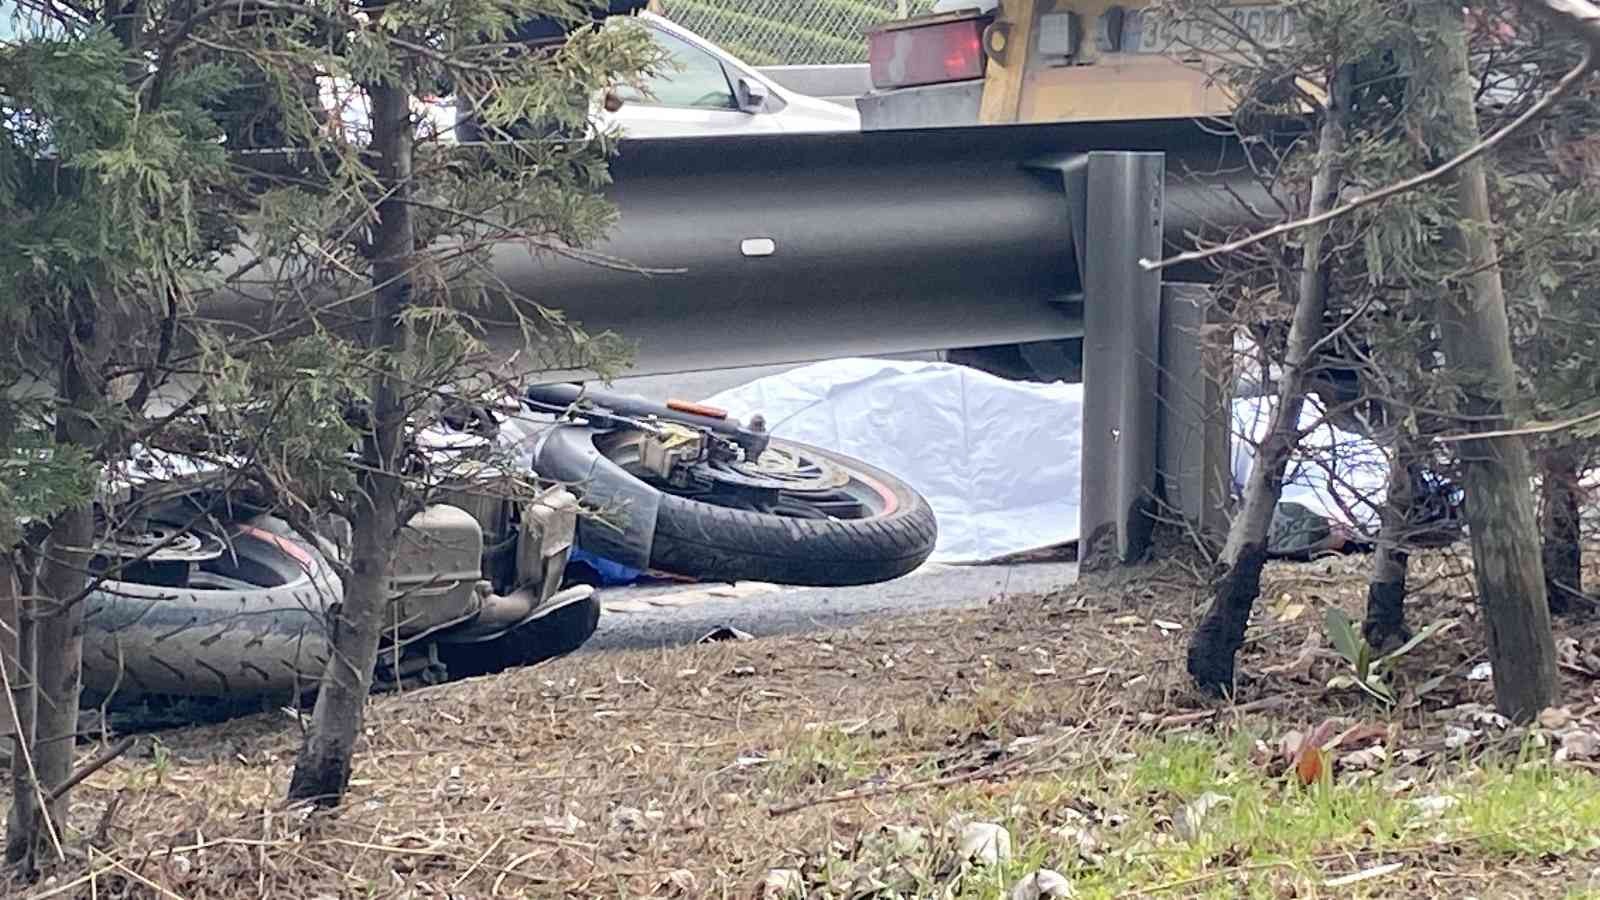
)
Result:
{"points": [[563, 396]]}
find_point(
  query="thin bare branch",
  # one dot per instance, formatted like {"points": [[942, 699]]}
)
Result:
{"points": [[1565, 85], [1525, 431]]}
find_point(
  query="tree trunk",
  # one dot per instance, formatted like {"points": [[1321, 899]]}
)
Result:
{"points": [[22, 836], [1476, 342], [1561, 524], [322, 771], [1385, 625], [59, 652], [57, 611], [1221, 632]]}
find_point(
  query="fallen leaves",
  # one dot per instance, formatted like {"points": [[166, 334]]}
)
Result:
{"points": [[985, 844], [1310, 756], [781, 884], [1189, 821], [1042, 884], [1433, 808], [679, 883], [1577, 743], [1300, 666]]}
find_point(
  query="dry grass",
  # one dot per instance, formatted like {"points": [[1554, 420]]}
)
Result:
{"points": [[693, 771]]}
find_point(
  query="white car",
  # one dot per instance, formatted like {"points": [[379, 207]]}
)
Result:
{"points": [[703, 91], [708, 91]]}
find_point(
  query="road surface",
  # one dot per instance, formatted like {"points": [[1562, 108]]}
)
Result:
{"points": [[636, 618]]}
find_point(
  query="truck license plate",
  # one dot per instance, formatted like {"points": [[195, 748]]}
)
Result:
{"points": [[1217, 31]]}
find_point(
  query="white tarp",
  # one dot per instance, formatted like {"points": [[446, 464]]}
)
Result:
{"points": [[1338, 474], [998, 460]]}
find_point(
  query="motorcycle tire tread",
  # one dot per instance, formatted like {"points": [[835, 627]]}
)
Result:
{"points": [[705, 540]]}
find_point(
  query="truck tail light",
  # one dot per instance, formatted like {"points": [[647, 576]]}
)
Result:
{"points": [[927, 50]]}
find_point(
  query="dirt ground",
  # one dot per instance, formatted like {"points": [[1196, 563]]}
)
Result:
{"points": [[864, 764]]}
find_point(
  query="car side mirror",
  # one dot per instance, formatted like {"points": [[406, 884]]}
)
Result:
{"points": [[752, 95]]}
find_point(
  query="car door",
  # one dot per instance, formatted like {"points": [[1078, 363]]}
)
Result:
{"points": [[692, 96]]}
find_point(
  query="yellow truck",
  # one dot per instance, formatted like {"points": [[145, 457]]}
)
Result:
{"points": [[1033, 61]]}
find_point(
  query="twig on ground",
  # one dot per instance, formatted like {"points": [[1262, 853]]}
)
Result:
{"points": [[1411, 850], [479, 861], [853, 794], [120, 867], [1265, 703], [511, 869], [1004, 767], [90, 767]]}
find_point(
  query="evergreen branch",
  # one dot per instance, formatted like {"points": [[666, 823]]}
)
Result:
{"points": [[1567, 82]]}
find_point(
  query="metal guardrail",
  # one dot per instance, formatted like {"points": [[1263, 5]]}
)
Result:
{"points": [[794, 247]]}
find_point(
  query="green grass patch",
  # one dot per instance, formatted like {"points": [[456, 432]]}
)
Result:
{"points": [[1134, 823], [821, 756]]}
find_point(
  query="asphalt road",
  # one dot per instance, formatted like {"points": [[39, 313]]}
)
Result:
{"points": [[634, 618]]}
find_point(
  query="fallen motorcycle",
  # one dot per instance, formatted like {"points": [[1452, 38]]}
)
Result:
{"points": [[205, 604], [692, 491]]}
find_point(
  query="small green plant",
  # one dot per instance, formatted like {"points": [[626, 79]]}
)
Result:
{"points": [[1369, 670], [161, 763]]}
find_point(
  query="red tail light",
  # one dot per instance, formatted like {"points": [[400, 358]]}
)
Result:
{"points": [[930, 50]]}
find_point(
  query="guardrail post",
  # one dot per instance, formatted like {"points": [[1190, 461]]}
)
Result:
{"points": [[1122, 203], [1193, 419]]}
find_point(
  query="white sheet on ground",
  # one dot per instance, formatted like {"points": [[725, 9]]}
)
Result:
{"points": [[998, 460], [1338, 474]]}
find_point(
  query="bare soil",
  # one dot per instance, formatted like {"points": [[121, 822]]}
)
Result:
{"points": [[695, 771]]}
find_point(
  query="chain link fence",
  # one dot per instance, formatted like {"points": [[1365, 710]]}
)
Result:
{"points": [[790, 32]]}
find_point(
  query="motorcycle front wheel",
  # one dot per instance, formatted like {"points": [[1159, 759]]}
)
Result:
{"points": [[873, 528]]}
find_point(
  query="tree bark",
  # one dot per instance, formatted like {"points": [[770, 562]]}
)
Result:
{"points": [[22, 828], [322, 770], [1385, 624], [57, 611], [1561, 525], [59, 652], [1217, 639], [1476, 343]]}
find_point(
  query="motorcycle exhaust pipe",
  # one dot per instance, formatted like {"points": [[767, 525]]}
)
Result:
{"points": [[502, 612]]}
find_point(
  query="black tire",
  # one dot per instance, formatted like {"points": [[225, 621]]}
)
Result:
{"points": [[253, 623], [702, 540], [554, 633]]}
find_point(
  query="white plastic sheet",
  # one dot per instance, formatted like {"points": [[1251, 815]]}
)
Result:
{"points": [[996, 459], [1338, 474]]}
